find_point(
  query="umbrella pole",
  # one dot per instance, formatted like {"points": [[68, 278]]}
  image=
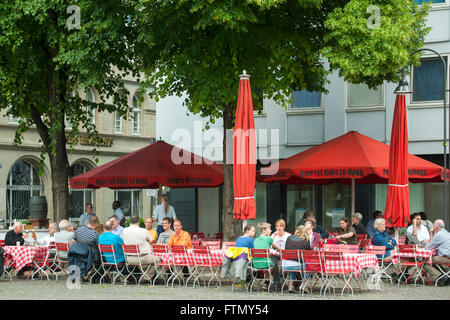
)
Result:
{"points": [[353, 196], [396, 234], [244, 223]]}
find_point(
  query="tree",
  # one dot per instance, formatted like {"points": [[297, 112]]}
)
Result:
{"points": [[199, 47], [51, 50]]}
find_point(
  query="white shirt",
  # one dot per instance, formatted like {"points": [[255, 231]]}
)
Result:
{"points": [[136, 235], [281, 241], [422, 234], [45, 241], [118, 231]]}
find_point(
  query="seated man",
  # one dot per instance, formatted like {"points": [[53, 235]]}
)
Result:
{"points": [[87, 235], [180, 237], [416, 232], [15, 235], [149, 227], [84, 218], [49, 238], [247, 240], [134, 235], [265, 241], [440, 239], [309, 215], [65, 235], [356, 220], [117, 229], [109, 238], [164, 236]]}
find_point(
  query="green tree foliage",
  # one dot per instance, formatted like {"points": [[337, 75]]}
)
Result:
{"points": [[45, 63], [199, 48]]}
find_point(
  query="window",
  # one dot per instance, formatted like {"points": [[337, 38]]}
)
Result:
{"points": [[11, 118], [136, 115], [129, 201], [23, 182], [306, 99], [336, 203], [361, 96], [416, 197], [429, 1], [91, 111], [79, 197], [428, 80], [117, 122], [300, 197]]}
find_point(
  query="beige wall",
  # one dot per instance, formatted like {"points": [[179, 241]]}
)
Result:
{"points": [[122, 144]]}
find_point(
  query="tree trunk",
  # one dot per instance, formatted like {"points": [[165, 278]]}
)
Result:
{"points": [[232, 228]]}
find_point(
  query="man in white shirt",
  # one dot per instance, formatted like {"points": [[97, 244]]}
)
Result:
{"points": [[117, 228], [416, 229], [45, 241], [135, 235]]}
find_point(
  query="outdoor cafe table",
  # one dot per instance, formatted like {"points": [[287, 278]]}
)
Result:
{"points": [[24, 255], [420, 253], [353, 262], [217, 256]]}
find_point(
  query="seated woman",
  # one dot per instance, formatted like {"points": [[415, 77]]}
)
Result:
{"points": [[298, 241], [381, 238], [314, 237], [246, 241], [347, 234]]}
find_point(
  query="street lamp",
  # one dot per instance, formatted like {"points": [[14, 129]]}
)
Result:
{"points": [[403, 88]]}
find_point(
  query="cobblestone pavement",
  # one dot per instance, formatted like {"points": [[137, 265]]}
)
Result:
{"points": [[21, 289]]}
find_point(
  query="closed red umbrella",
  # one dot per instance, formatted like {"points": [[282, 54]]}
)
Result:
{"points": [[397, 213], [244, 154], [147, 168]]}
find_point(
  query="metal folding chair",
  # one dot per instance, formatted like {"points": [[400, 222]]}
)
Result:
{"points": [[228, 244], [61, 263], [313, 270], [212, 244], [139, 268], [203, 263], [43, 265], [264, 257], [8, 264], [162, 267], [445, 273], [412, 265], [290, 255], [114, 270], [180, 263], [334, 268], [379, 251]]}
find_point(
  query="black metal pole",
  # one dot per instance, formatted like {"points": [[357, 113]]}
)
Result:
{"points": [[445, 129]]}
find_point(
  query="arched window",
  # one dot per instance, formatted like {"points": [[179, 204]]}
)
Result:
{"points": [[79, 197], [23, 182]]}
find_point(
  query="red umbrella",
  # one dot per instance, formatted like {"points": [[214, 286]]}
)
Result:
{"points": [[347, 157], [396, 213], [147, 168], [244, 154]]}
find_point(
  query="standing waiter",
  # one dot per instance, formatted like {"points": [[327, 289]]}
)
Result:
{"points": [[163, 210]]}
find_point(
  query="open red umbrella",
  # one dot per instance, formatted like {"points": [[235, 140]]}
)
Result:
{"points": [[244, 153], [147, 168], [397, 212]]}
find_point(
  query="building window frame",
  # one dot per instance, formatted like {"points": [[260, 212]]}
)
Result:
{"points": [[90, 96], [375, 106], [118, 123], [431, 103], [136, 117], [319, 109]]}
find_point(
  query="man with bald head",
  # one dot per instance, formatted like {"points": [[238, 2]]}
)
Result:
{"points": [[15, 235], [440, 239]]}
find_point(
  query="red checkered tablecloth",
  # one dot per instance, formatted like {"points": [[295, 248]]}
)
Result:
{"points": [[24, 255], [420, 252], [217, 257], [353, 262]]}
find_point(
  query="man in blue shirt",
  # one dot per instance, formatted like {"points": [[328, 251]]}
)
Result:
{"points": [[246, 241], [440, 239], [109, 238], [84, 218], [118, 212]]}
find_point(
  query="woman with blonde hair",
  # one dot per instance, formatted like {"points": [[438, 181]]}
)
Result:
{"points": [[298, 241]]}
